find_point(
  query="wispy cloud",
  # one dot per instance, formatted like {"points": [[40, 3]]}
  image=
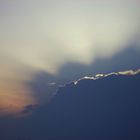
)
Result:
{"points": [[98, 76]]}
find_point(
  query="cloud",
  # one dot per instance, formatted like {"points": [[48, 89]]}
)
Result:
{"points": [[98, 76], [102, 109]]}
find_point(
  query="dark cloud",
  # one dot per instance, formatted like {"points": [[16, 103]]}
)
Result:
{"points": [[44, 85], [107, 108]]}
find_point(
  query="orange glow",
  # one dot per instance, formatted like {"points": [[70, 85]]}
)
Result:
{"points": [[14, 99], [14, 94]]}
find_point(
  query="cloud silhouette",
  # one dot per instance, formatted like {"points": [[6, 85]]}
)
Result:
{"points": [[105, 108]]}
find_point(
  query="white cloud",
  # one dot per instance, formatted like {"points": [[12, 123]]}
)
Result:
{"points": [[98, 76]]}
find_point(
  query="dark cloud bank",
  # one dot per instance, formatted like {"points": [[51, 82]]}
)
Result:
{"points": [[102, 109], [40, 85]]}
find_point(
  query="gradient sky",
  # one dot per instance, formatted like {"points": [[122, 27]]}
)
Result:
{"points": [[45, 34]]}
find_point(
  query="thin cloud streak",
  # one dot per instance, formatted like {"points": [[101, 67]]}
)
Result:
{"points": [[98, 76]]}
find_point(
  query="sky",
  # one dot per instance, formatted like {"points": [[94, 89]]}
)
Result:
{"points": [[44, 35]]}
